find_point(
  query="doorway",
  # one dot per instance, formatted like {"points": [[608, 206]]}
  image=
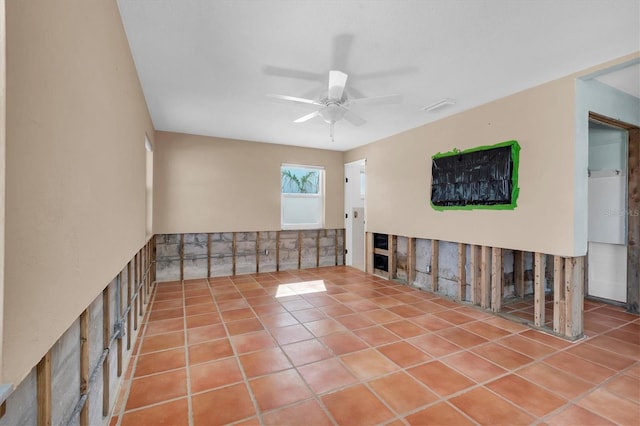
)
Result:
{"points": [[354, 218]]}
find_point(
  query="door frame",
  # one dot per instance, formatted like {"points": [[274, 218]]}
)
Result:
{"points": [[348, 209], [633, 208]]}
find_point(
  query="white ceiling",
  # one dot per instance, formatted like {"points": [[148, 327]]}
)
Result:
{"points": [[207, 66]]}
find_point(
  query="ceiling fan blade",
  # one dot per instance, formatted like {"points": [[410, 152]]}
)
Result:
{"points": [[292, 73], [377, 100], [294, 99], [388, 73], [307, 117], [337, 83], [341, 49], [354, 118]]}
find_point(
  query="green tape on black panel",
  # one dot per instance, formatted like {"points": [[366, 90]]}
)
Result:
{"points": [[484, 177]]}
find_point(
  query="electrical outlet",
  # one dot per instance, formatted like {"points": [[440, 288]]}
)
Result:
{"points": [[428, 269]]}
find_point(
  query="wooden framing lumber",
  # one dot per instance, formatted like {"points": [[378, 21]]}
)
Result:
{"points": [[84, 365], [234, 245], [518, 273], [485, 277], [540, 263], [277, 250], [128, 305], [43, 390], [335, 243], [134, 291], [633, 223], [318, 249], [209, 255], [411, 260], [497, 275], [106, 335], [462, 271], [475, 266], [344, 246], [119, 348], [558, 295], [181, 250], [574, 295], [368, 259], [435, 267], [300, 249], [392, 266], [257, 252]]}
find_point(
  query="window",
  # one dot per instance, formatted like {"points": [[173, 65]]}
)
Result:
{"points": [[302, 189]]}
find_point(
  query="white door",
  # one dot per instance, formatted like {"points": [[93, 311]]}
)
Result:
{"points": [[354, 222], [607, 234]]}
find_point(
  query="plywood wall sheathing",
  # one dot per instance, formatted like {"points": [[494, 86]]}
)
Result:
{"points": [[518, 273], [435, 267], [43, 390], [558, 294], [574, 295], [84, 365], [540, 263], [485, 277], [462, 271], [497, 276]]}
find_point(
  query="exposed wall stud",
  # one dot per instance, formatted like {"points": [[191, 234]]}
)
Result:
{"points": [[344, 246], [497, 276], [485, 281], [117, 320], [299, 249], [234, 243], [435, 267], [84, 365], [475, 266], [277, 250], [368, 259], [106, 334], [411, 260], [43, 391], [574, 295], [633, 223], [318, 249], [462, 271], [518, 273], [134, 290], [540, 263], [558, 295], [257, 252], [391, 257], [129, 305], [335, 243], [181, 250]]}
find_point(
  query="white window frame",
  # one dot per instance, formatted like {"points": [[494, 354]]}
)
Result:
{"points": [[320, 195]]}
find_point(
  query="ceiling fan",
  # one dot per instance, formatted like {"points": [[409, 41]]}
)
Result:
{"points": [[334, 106]]}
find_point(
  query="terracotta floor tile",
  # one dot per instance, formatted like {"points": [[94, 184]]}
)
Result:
{"points": [[306, 352], [488, 408], [206, 308], [612, 407], [334, 311], [579, 367], [625, 348], [156, 315], [238, 314], [485, 330], [324, 327], [386, 301], [308, 315], [429, 307], [575, 415], [164, 326], [260, 300], [504, 357], [356, 405], [343, 343], [438, 414], [297, 305], [291, 334], [250, 342], [201, 320], [431, 323], [626, 387], [264, 362], [355, 321], [473, 366], [404, 354], [203, 334], [190, 301], [326, 375], [402, 392], [632, 337], [563, 383], [440, 378], [174, 413], [160, 361], [600, 356], [232, 305], [506, 324], [157, 388], [160, 342], [406, 311], [376, 335], [381, 316], [634, 371], [520, 391], [434, 345], [454, 317], [526, 346], [214, 374], [368, 363], [546, 339], [209, 351], [279, 389], [281, 319], [166, 304], [222, 406], [244, 326], [405, 329], [461, 337], [305, 413]]}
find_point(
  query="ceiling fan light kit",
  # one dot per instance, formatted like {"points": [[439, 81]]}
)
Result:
{"points": [[335, 104]]}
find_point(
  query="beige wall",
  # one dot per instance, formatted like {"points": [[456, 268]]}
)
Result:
{"points": [[75, 194], [204, 184], [3, 129], [540, 119]]}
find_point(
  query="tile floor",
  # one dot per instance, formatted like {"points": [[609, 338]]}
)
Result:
{"points": [[338, 346]]}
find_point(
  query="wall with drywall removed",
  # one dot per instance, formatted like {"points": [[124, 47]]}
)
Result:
{"points": [[75, 194]]}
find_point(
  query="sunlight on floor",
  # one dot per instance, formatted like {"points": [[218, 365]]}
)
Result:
{"points": [[304, 287]]}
